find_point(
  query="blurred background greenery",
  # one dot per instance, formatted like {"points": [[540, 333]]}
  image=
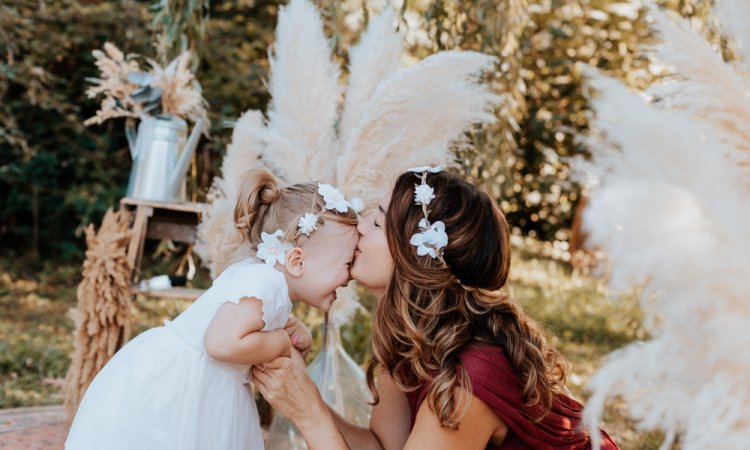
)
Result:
{"points": [[56, 175]]}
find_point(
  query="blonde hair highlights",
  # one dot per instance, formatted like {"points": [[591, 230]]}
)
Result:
{"points": [[264, 206]]}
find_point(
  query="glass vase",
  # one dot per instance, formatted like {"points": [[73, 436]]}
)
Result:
{"points": [[341, 383]]}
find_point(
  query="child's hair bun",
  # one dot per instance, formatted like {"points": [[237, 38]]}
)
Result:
{"points": [[259, 190], [268, 188]]}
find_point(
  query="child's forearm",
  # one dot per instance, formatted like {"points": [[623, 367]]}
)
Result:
{"points": [[256, 347]]}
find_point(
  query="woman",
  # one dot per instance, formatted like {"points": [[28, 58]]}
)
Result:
{"points": [[456, 364]]}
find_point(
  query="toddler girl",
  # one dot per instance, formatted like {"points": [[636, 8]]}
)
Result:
{"points": [[184, 385]]}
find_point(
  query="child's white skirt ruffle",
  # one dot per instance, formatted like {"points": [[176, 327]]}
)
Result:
{"points": [[158, 392]]}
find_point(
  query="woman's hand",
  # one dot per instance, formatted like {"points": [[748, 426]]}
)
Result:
{"points": [[285, 384], [299, 334]]}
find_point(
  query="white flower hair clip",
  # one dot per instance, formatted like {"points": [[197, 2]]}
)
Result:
{"points": [[307, 224], [271, 250], [432, 238], [429, 169], [334, 200]]}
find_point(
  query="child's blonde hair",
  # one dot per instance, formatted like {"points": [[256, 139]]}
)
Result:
{"points": [[262, 205]]}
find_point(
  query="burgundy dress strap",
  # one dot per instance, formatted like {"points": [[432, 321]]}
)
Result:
{"points": [[494, 382]]}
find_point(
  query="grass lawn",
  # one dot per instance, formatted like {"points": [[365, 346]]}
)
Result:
{"points": [[585, 323]]}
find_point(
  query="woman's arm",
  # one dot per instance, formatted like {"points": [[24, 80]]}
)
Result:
{"points": [[234, 335], [355, 436], [391, 417], [302, 404], [477, 428], [389, 423], [285, 384]]}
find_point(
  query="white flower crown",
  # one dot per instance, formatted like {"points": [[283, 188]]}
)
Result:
{"points": [[432, 239], [272, 250]]}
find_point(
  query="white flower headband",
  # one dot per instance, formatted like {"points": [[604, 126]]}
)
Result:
{"points": [[273, 250], [432, 239]]}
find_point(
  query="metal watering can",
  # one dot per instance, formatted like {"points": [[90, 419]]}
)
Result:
{"points": [[161, 154]]}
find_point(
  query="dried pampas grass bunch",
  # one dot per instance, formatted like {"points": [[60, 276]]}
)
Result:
{"points": [[670, 206], [129, 92], [103, 320], [114, 84], [357, 136], [180, 94]]}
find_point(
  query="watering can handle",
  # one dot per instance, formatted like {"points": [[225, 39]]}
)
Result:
{"points": [[181, 166], [130, 134]]}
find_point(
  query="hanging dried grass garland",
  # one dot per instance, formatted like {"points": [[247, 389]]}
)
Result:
{"points": [[103, 317]]}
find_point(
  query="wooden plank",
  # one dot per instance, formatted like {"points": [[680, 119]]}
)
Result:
{"points": [[174, 231], [176, 221], [175, 292], [193, 207], [179, 226], [135, 248]]}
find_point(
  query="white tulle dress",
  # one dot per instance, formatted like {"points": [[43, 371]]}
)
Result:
{"points": [[162, 391]]}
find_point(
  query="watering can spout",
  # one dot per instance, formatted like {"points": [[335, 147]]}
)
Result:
{"points": [[178, 174]]}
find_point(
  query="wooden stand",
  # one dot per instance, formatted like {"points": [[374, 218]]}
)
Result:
{"points": [[161, 220]]}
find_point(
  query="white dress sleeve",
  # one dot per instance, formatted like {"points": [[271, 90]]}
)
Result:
{"points": [[249, 278]]}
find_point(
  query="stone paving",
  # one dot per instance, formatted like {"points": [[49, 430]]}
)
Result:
{"points": [[37, 428]]}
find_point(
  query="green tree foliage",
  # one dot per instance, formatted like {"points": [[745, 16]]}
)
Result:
{"points": [[57, 175], [523, 158]]}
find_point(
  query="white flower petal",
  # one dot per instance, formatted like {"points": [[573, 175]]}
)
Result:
{"points": [[429, 169], [417, 239], [340, 205], [271, 249], [307, 224], [423, 194], [357, 204], [334, 198], [428, 251]]}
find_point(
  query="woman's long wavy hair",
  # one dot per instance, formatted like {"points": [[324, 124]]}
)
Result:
{"points": [[430, 312]]}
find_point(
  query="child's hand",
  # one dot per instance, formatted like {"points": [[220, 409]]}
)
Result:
{"points": [[299, 334], [289, 349]]}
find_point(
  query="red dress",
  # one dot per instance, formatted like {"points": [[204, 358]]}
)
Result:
{"points": [[494, 382]]}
